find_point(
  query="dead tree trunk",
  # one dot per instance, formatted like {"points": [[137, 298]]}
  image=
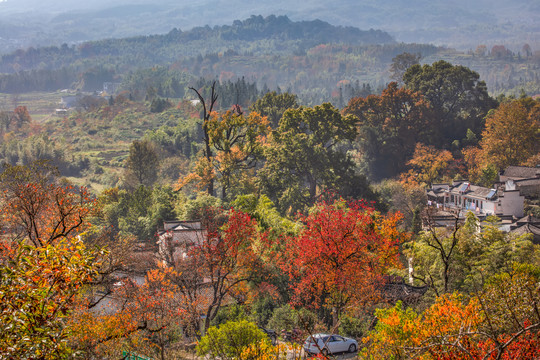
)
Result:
{"points": [[207, 112]]}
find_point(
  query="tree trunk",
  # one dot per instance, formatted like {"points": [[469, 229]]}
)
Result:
{"points": [[207, 112], [335, 317]]}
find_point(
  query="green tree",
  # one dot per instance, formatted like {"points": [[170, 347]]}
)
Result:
{"points": [[264, 211], [463, 257], [273, 105], [159, 105], [408, 199], [457, 96], [304, 158], [271, 281], [196, 209], [288, 318], [142, 164], [139, 212]]}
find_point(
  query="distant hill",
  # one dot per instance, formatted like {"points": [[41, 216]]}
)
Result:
{"points": [[314, 59], [462, 24], [255, 35]]}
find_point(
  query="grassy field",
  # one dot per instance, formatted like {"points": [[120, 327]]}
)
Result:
{"points": [[40, 105], [102, 151], [95, 142]]}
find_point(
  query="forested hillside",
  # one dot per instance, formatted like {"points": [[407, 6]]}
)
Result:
{"points": [[313, 59], [255, 35]]}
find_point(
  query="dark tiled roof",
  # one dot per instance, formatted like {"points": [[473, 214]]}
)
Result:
{"points": [[182, 225], [524, 182], [529, 219], [472, 190], [528, 229], [404, 292], [521, 172]]}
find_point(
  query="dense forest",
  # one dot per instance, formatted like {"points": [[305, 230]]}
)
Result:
{"points": [[294, 166]]}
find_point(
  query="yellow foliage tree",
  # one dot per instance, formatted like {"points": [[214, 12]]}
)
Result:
{"points": [[236, 142], [511, 136]]}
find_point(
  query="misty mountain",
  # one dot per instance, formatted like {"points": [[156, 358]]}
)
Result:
{"points": [[256, 35], [459, 23]]}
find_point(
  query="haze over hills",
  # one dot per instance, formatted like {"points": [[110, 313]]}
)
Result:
{"points": [[461, 24]]}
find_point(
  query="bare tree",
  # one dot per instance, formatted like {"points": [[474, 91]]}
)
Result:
{"points": [[207, 112], [401, 63]]}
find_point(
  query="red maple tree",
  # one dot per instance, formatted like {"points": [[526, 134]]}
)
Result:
{"points": [[340, 256]]}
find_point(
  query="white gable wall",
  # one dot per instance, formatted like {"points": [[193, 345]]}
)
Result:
{"points": [[511, 203]]}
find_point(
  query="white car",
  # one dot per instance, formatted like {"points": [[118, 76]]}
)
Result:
{"points": [[329, 344]]}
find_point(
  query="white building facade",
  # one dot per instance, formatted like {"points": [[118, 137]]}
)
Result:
{"points": [[505, 200]]}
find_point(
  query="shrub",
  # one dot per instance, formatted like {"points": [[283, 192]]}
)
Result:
{"points": [[229, 340]]}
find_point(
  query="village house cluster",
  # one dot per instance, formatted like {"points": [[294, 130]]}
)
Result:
{"points": [[506, 200]]}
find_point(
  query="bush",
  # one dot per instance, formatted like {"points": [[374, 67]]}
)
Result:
{"points": [[283, 318], [229, 313], [262, 310], [230, 339], [353, 327], [159, 105], [287, 318]]}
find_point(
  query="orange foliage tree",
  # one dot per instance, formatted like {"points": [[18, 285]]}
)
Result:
{"points": [[183, 295], [44, 264], [141, 318], [501, 321], [37, 209], [339, 257], [38, 287], [428, 164], [510, 137], [401, 333]]}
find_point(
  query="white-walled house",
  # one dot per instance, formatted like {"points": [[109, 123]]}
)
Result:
{"points": [[176, 238], [464, 196], [182, 232]]}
